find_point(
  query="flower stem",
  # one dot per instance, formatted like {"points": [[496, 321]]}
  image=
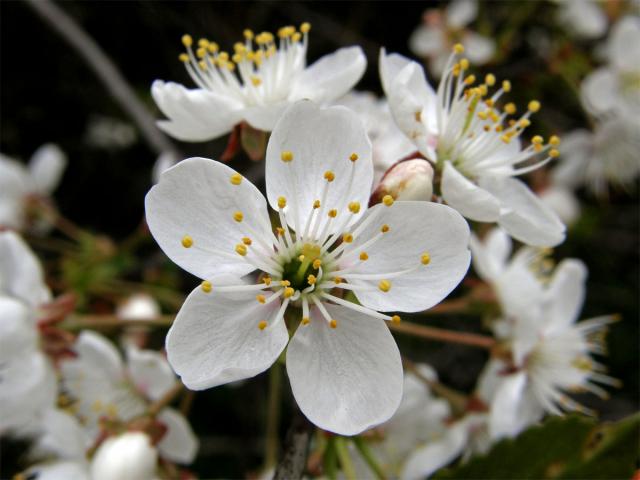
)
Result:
{"points": [[330, 459], [79, 322], [273, 415], [345, 458], [440, 334], [368, 457], [166, 399]]}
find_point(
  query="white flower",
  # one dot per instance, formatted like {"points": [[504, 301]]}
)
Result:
{"points": [[255, 84], [103, 387], [563, 202], [139, 306], [439, 31], [615, 89], [583, 18], [129, 456], [473, 145], [20, 184], [407, 180], [110, 133], [343, 364]]}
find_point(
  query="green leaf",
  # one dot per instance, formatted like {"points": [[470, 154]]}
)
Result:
{"points": [[562, 447]]}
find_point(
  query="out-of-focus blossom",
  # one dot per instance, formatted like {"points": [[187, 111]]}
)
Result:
{"points": [[563, 202], [165, 161], [129, 456], [614, 89], [407, 180], [110, 133], [583, 18], [139, 306], [473, 145], [395, 256], [19, 184], [256, 83], [441, 30]]}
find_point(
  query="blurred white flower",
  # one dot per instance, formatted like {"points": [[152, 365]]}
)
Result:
{"points": [[19, 184], [473, 145], [110, 133], [165, 161], [435, 37], [129, 456], [402, 256], [255, 84], [583, 18], [563, 202], [139, 306]]}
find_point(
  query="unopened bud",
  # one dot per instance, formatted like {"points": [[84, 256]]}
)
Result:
{"points": [[406, 180], [129, 456]]}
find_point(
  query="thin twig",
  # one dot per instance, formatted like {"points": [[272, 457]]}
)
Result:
{"points": [[440, 334], [78, 322], [166, 399], [295, 449]]}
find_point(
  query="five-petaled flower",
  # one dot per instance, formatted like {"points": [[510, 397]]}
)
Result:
{"points": [[343, 364]]}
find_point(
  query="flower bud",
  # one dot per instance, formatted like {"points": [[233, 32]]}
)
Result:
{"points": [[129, 456], [406, 180]]}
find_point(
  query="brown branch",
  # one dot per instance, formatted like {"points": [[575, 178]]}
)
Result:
{"points": [[295, 449], [440, 334]]}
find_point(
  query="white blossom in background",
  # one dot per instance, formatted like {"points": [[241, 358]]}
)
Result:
{"points": [[255, 83], [474, 145], [439, 31], [614, 89], [110, 133], [407, 180], [104, 386], [139, 306], [19, 184], [129, 456], [343, 364], [583, 18], [561, 200], [164, 161]]}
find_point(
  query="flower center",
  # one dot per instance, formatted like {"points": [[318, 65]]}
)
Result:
{"points": [[302, 271]]}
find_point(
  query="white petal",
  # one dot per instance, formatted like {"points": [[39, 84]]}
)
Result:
{"points": [[62, 436], [478, 48], [265, 117], [196, 198], [21, 274], [624, 43], [600, 91], [59, 470], [566, 294], [467, 198], [331, 76], [17, 331], [426, 41], [165, 161], [523, 215], [345, 379], [320, 140], [150, 372], [415, 228], [129, 456], [215, 338], [389, 67], [179, 444], [98, 354], [490, 255], [47, 166], [461, 12], [585, 18], [503, 419], [194, 115], [575, 152], [15, 184], [563, 202]]}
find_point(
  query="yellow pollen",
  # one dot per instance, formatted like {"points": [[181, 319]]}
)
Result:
{"points": [[286, 156], [425, 259], [256, 82], [537, 147], [329, 176], [280, 231], [384, 285], [285, 283], [206, 286], [241, 249], [183, 57], [236, 179], [364, 256], [282, 202], [238, 216], [333, 323], [187, 241], [524, 123], [213, 47], [537, 139], [384, 228], [201, 52], [347, 238], [311, 279], [395, 319], [316, 204], [554, 153], [332, 213], [248, 34], [316, 263], [246, 240], [534, 106], [267, 281], [483, 115], [337, 280], [262, 325], [288, 292], [305, 320], [458, 48], [387, 200], [554, 140], [490, 79], [301, 258], [498, 128], [354, 207], [464, 64], [203, 42], [353, 157], [506, 85], [187, 41], [305, 27], [470, 80], [261, 298], [510, 108], [296, 37], [505, 138], [202, 65]]}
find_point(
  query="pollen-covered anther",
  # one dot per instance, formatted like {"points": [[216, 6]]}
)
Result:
{"points": [[333, 213], [282, 202], [247, 241], [384, 285], [506, 85], [311, 279], [280, 231], [337, 280], [554, 153], [354, 207], [236, 179], [353, 157], [288, 292], [238, 216], [261, 298], [458, 48], [510, 108], [187, 40], [464, 65], [534, 106], [286, 156], [267, 281], [241, 249], [384, 228], [317, 263], [347, 238], [329, 176], [425, 258], [206, 286], [388, 200], [262, 324], [333, 323], [305, 27], [470, 80], [395, 319], [187, 241], [490, 79], [364, 256], [305, 320], [285, 283], [554, 140], [183, 57]]}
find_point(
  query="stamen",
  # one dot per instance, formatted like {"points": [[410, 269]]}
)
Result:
{"points": [[206, 286], [236, 179], [384, 285], [387, 200], [238, 216], [187, 241], [286, 156], [262, 324]]}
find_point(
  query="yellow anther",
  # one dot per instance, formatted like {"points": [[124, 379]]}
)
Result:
{"points": [[506, 138], [305, 320], [248, 34], [296, 37], [316, 263], [187, 41], [458, 48], [337, 280], [316, 204], [482, 90], [333, 323], [554, 153], [305, 27], [300, 258], [384, 228], [387, 200], [237, 57], [490, 79], [183, 57], [353, 157], [489, 103], [280, 231], [364, 256], [238, 216], [498, 128], [486, 128], [464, 64], [288, 292], [262, 325], [261, 298], [483, 115], [506, 85], [213, 47], [329, 176], [534, 106], [267, 281], [286, 156], [206, 286], [538, 147], [384, 285], [510, 108], [456, 70], [311, 279], [224, 56], [347, 238], [201, 52], [524, 123], [470, 80], [554, 140], [285, 283], [246, 240], [537, 139], [236, 179], [239, 47], [203, 43], [354, 207], [395, 319], [282, 202], [187, 241], [493, 116], [255, 81], [425, 258], [241, 249], [333, 212]]}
